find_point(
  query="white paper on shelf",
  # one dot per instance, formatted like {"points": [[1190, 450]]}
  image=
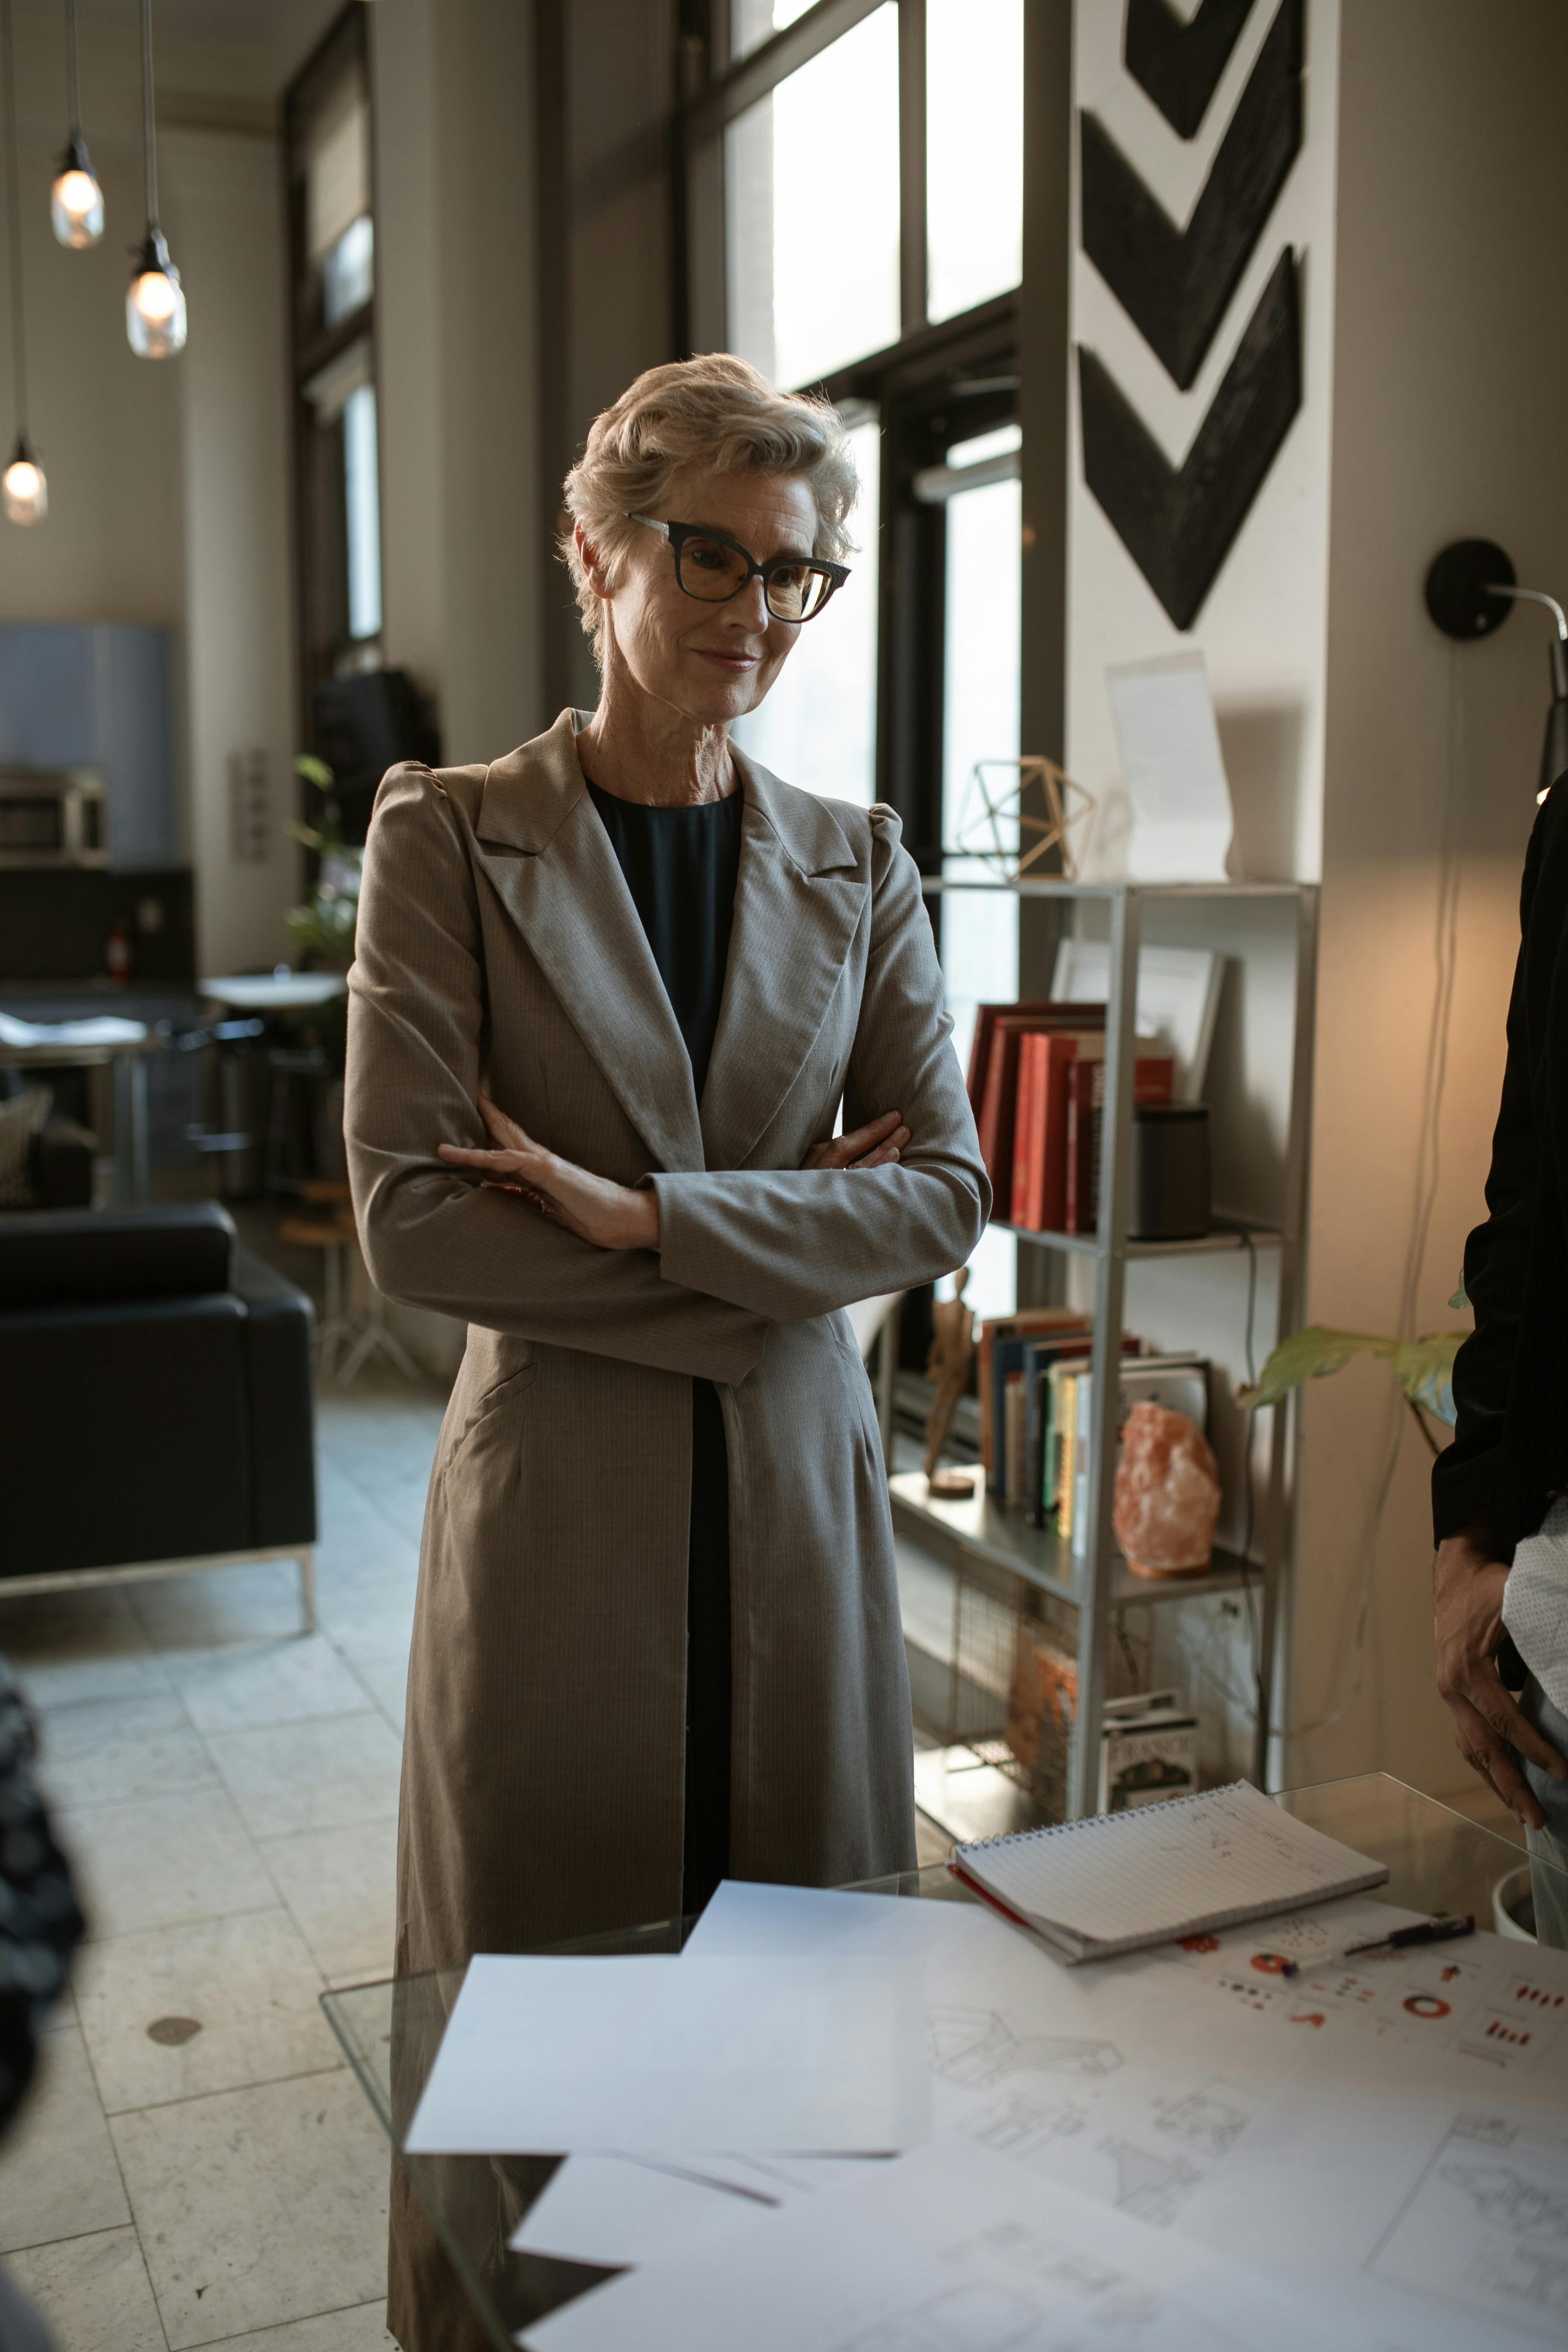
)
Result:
{"points": [[1174, 770], [555, 2055], [952, 2249], [748, 1920]]}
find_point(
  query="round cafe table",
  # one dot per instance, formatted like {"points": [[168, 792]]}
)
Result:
{"points": [[280, 990]]}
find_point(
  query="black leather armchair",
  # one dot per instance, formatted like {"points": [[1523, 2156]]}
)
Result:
{"points": [[155, 1400]]}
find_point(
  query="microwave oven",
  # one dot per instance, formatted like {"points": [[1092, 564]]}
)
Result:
{"points": [[53, 816]]}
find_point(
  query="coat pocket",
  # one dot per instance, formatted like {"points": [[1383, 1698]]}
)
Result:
{"points": [[493, 1400]]}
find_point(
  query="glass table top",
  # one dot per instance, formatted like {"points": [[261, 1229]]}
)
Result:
{"points": [[390, 2031]]}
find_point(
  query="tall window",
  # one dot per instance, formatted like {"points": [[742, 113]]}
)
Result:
{"points": [[870, 158], [333, 253]]}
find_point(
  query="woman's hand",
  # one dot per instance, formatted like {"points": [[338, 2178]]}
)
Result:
{"points": [[875, 1145], [611, 1216], [1488, 1729]]}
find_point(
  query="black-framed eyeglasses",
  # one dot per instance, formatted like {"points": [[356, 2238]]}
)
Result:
{"points": [[713, 568]]}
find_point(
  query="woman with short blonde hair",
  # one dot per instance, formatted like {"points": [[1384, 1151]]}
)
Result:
{"points": [[611, 992]]}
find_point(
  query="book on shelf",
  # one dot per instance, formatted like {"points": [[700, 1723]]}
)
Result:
{"points": [[1045, 1367], [1083, 1109], [1004, 1026], [1180, 1383], [1000, 1351], [1045, 1060]]}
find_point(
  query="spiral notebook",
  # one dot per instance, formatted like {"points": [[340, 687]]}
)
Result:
{"points": [[1188, 1867]]}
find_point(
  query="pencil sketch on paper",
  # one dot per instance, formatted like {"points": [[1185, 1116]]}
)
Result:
{"points": [[1024, 2287], [1486, 2224], [1152, 2188], [973, 2317], [977, 2048], [1210, 2119], [1023, 2126]]}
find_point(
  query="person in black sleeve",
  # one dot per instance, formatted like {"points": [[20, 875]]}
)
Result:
{"points": [[1500, 1491]]}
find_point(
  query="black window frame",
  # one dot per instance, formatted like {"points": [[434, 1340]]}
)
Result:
{"points": [[320, 560]]}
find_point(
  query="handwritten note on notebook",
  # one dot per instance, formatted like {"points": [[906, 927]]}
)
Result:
{"points": [[1187, 1867]]}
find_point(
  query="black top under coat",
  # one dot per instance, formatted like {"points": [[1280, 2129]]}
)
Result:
{"points": [[682, 866]]}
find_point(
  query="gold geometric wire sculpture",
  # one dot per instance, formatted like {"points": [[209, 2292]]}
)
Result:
{"points": [[991, 827]]}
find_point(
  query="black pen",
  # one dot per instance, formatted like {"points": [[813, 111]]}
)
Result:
{"points": [[1442, 1931]]}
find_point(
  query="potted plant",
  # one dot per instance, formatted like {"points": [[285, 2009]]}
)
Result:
{"points": [[1423, 1368]]}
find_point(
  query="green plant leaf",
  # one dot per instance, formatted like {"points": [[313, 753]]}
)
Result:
{"points": [[1425, 1370], [1460, 1298], [1310, 1354], [315, 771]]}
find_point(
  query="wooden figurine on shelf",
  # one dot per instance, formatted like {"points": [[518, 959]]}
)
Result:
{"points": [[951, 1354]]}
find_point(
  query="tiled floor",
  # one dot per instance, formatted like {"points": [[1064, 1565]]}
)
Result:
{"points": [[229, 1792]]}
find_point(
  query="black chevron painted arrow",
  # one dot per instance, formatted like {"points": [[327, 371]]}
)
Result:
{"points": [[1179, 526], [1175, 283], [1180, 65]]}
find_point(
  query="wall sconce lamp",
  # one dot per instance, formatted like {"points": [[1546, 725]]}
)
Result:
{"points": [[156, 305], [76, 200], [1471, 589]]}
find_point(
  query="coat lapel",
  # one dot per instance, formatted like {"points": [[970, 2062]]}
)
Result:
{"points": [[797, 902], [549, 859]]}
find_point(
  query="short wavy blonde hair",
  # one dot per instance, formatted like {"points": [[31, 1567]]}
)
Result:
{"points": [[717, 411]]}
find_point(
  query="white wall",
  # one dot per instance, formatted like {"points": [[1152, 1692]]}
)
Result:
{"points": [[1450, 353], [1261, 628], [458, 372], [1424, 207], [224, 211]]}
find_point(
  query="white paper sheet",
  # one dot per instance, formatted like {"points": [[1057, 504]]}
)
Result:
{"points": [[555, 2055], [1344, 2189], [952, 2249], [1486, 2015], [1174, 770], [615, 2210]]}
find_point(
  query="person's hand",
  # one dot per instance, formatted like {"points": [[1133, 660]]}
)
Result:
{"points": [[876, 1145], [611, 1216], [1467, 1586]]}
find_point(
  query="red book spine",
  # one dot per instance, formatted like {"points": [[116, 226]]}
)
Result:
{"points": [[990, 1113], [1079, 1211], [1063, 1056], [1026, 1201]]}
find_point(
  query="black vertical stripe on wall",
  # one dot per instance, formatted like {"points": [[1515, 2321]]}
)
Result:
{"points": [[1177, 64], [1176, 284], [1179, 524]]}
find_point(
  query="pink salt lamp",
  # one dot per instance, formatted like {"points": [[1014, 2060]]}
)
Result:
{"points": [[1167, 1493]]}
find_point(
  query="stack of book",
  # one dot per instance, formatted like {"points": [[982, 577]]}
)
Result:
{"points": [[1036, 1385], [1036, 1085]]}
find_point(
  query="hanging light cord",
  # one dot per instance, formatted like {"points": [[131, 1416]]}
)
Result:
{"points": [[73, 87], [13, 224], [149, 133]]}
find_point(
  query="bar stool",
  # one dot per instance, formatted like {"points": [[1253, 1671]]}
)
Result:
{"points": [[356, 1332]]}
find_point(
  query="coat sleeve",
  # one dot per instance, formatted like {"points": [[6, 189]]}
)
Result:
{"points": [[793, 1243], [1497, 1256], [432, 1237]]}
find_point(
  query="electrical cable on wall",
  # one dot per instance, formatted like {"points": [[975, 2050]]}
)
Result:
{"points": [[1428, 1170]]}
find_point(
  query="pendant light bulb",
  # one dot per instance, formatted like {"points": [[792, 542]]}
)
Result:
{"points": [[23, 489], [156, 305], [76, 200]]}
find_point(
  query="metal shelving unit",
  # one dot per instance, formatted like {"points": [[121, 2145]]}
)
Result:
{"points": [[996, 1544]]}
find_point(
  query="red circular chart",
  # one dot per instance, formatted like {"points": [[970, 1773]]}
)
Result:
{"points": [[1427, 2004], [1270, 1964]]}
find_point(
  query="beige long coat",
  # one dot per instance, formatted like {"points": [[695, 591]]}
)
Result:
{"points": [[498, 945]]}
